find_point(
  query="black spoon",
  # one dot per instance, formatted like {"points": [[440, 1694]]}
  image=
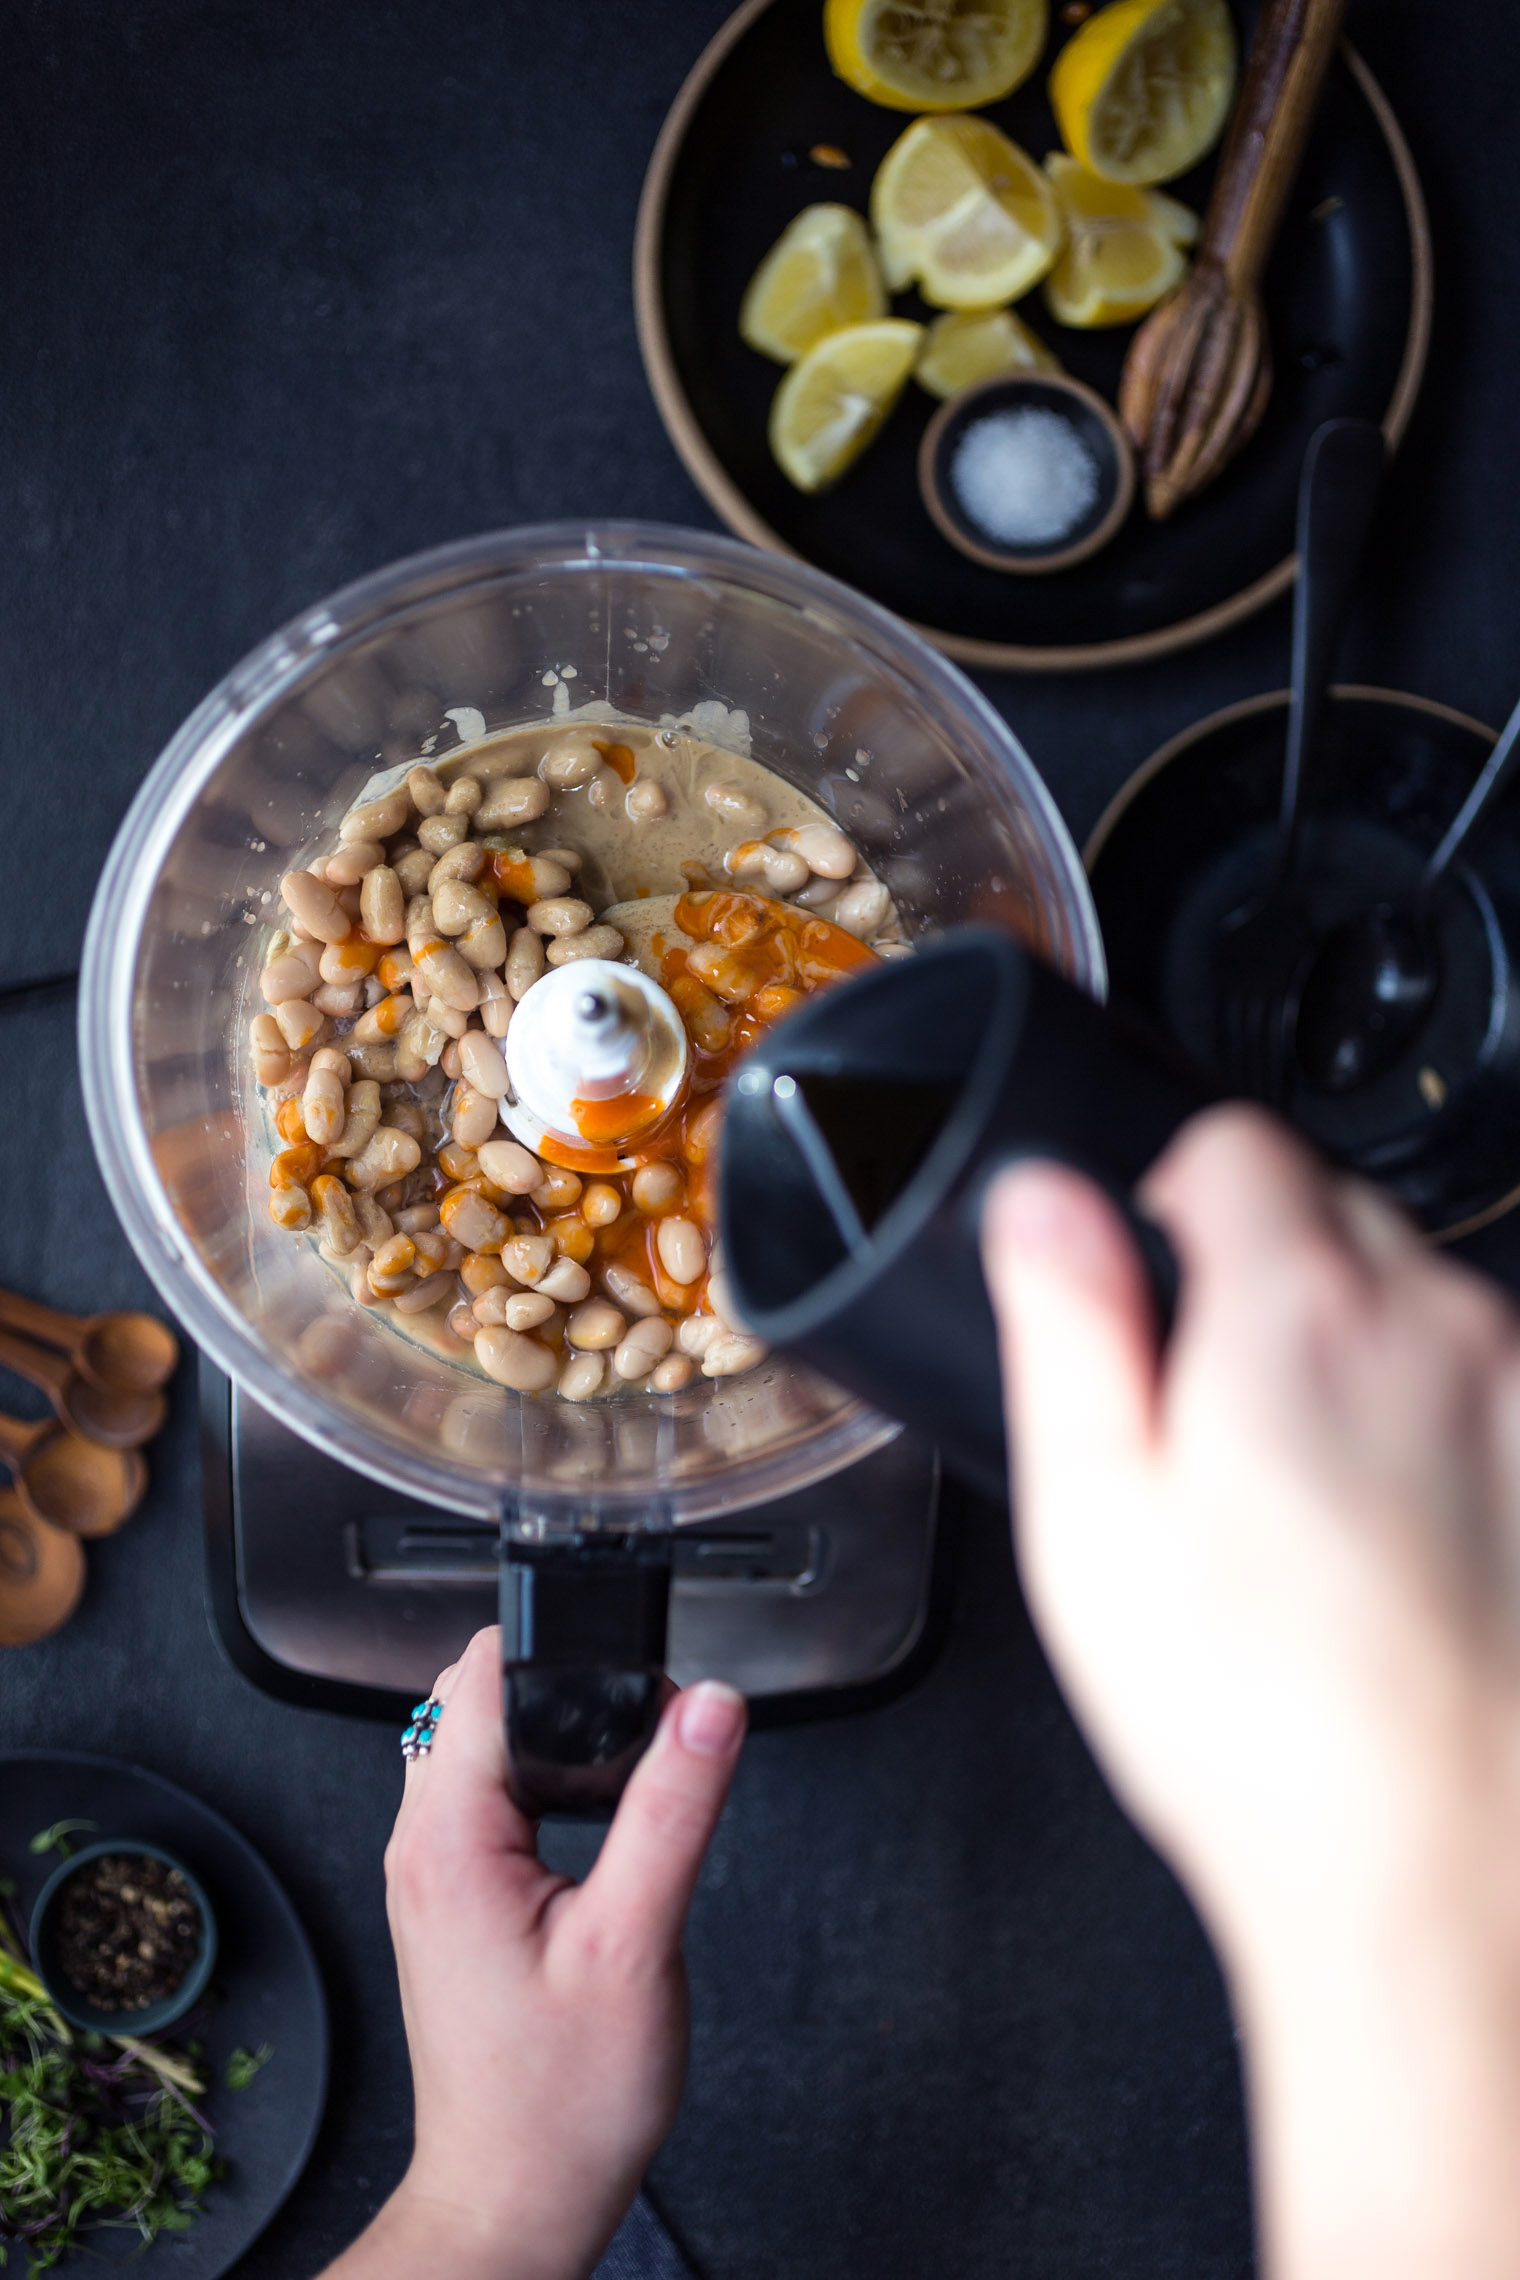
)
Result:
{"points": [[1373, 979], [1263, 945]]}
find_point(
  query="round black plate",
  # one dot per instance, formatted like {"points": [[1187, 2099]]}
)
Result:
{"points": [[265, 1990], [1190, 837], [1347, 294]]}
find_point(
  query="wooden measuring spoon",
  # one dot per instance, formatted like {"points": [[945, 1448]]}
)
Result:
{"points": [[1199, 370], [121, 1353], [68, 1482], [41, 1574], [116, 1420]]}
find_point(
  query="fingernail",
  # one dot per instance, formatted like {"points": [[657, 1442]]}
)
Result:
{"points": [[710, 1719], [1036, 1209]]}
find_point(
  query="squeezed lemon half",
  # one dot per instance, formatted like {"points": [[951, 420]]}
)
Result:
{"points": [[1123, 249], [967, 345], [835, 398], [1145, 87], [819, 275], [934, 55], [963, 211]]}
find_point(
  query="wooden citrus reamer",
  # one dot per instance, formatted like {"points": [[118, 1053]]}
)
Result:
{"points": [[1199, 370]]}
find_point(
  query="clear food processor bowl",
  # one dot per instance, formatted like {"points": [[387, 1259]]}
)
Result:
{"points": [[836, 696]]}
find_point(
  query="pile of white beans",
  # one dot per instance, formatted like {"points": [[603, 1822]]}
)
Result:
{"points": [[388, 994]]}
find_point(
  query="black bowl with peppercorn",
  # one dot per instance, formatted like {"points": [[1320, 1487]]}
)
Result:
{"points": [[123, 1938]]}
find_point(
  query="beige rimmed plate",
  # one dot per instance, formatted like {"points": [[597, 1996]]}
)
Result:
{"points": [[1348, 303]]}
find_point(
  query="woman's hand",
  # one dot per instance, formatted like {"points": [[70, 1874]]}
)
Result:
{"points": [[546, 2020], [1276, 1570]]}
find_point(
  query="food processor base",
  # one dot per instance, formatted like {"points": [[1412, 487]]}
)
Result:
{"points": [[326, 1590]]}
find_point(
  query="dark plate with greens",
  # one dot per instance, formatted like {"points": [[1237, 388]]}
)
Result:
{"points": [[262, 2033]]}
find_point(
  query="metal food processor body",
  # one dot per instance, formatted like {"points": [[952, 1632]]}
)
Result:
{"points": [[662, 626]]}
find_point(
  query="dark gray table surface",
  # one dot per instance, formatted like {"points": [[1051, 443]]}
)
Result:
{"points": [[291, 291]]}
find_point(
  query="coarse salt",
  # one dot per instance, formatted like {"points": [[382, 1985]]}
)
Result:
{"points": [[1024, 477]]}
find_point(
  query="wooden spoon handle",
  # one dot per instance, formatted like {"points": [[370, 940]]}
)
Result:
{"points": [[34, 1320], [1284, 73], [39, 1365], [17, 1434]]}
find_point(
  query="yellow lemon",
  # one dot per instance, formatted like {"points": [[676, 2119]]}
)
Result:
{"points": [[967, 345], [833, 401], [1123, 247], [1145, 87], [934, 55], [965, 212], [820, 274]]}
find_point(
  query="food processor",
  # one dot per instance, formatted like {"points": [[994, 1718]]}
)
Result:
{"points": [[591, 1504]]}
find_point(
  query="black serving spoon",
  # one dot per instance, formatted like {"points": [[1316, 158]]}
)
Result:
{"points": [[1264, 944], [1373, 980]]}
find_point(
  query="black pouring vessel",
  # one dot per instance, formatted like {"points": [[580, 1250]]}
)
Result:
{"points": [[858, 1144]]}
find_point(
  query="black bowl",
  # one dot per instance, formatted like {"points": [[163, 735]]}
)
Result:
{"points": [[1083, 410], [1191, 837], [67, 1999]]}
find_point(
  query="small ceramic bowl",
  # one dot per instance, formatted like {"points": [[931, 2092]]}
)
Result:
{"points": [[76, 2008], [1094, 422]]}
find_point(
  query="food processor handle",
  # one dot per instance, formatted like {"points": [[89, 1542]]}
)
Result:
{"points": [[583, 1621]]}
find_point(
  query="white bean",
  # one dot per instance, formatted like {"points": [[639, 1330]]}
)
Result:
{"points": [[473, 1119], [515, 1361], [572, 761], [528, 1257], [463, 863], [525, 961], [822, 846], [324, 1104], [462, 1322], [720, 1297], [446, 974], [300, 1023], [632, 1293], [527, 1309], [560, 915], [377, 1061], [696, 1333], [431, 1291], [295, 973], [376, 819], [438, 833], [752, 862], [656, 1187], [426, 793], [463, 796], [483, 944], [271, 1054], [596, 942], [389, 1155], [516, 799], [565, 1281], [646, 802], [646, 1343], [510, 1167], [473, 1220], [861, 908], [414, 871], [496, 1004], [352, 864], [339, 1000], [673, 1374], [484, 1068], [734, 805], [730, 1353], [595, 1325], [683, 1254], [582, 1376], [456, 905], [374, 1224]]}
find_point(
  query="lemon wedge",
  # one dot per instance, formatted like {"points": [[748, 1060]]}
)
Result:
{"points": [[832, 402], [963, 210], [1145, 87], [1123, 250], [967, 345], [934, 55], [819, 275]]}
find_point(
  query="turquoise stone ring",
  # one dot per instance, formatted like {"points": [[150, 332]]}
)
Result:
{"points": [[417, 1739]]}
